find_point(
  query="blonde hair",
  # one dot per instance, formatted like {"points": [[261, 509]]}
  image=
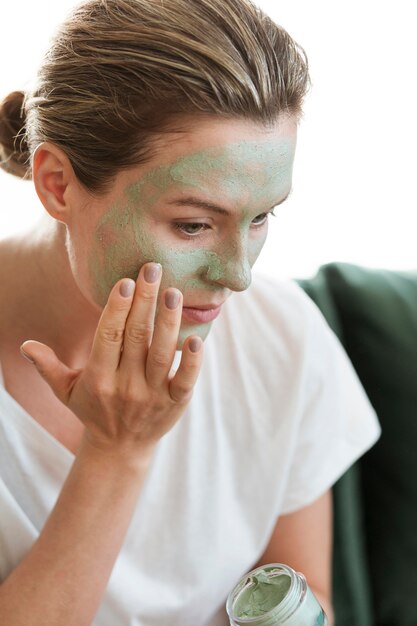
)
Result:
{"points": [[119, 73]]}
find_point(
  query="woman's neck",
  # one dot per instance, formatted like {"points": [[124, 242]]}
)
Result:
{"points": [[44, 301]]}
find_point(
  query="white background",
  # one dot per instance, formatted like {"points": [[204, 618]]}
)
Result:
{"points": [[354, 196]]}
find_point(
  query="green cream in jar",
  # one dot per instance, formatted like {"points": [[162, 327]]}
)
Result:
{"points": [[274, 595]]}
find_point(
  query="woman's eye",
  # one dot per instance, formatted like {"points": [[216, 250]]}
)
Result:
{"points": [[262, 219], [192, 230]]}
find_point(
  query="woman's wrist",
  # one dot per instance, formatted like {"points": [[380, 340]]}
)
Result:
{"points": [[123, 455]]}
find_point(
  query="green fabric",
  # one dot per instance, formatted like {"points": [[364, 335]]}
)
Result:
{"points": [[351, 589], [374, 313], [352, 600], [377, 310]]}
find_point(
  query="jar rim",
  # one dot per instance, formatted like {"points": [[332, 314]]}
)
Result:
{"points": [[284, 609]]}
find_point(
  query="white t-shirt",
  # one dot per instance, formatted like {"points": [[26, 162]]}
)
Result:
{"points": [[277, 416]]}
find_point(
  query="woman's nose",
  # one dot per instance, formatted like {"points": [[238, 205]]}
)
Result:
{"points": [[233, 271]]}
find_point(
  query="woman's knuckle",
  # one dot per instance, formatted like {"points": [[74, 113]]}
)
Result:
{"points": [[181, 399], [130, 397], [139, 332], [170, 322], [148, 295], [159, 358], [182, 392], [112, 334], [99, 390]]}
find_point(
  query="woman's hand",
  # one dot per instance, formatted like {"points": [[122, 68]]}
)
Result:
{"points": [[126, 396]]}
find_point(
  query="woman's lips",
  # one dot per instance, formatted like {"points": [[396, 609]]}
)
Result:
{"points": [[200, 316]]}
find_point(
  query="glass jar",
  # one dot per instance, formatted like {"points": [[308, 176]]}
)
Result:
{"points": [[274, 595]]}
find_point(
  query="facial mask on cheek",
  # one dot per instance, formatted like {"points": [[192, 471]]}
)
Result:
{"points": [[124, 239]]}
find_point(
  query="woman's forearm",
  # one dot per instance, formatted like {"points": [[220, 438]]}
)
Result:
{"points": [[62, 579]]}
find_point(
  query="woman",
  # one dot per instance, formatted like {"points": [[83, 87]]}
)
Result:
{"points": [[142, 472]]}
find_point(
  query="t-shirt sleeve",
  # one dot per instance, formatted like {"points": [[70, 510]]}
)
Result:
{"points": [[335, 423]]}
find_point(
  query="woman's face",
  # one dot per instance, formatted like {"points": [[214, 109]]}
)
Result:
{"points": [[200, 209]]}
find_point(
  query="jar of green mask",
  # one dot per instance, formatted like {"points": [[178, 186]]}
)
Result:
{"points": [[274, 595]]}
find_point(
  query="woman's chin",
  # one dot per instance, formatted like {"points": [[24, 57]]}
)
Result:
{"points": [[188, 330]]}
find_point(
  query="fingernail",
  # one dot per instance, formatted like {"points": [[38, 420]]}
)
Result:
{"points": [[195, 344], [172, 299], [152, 272], [27, 357], [127, 287]]}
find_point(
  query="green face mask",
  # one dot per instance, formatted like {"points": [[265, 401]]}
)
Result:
{"points": [[250, 177]]}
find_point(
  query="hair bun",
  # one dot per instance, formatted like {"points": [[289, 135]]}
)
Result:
{"points": [[14, 151]]}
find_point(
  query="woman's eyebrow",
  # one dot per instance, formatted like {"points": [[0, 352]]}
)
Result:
{"points": [[209, 206]]}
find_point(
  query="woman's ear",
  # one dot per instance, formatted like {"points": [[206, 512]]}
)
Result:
{"points": [[52, 175]]}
